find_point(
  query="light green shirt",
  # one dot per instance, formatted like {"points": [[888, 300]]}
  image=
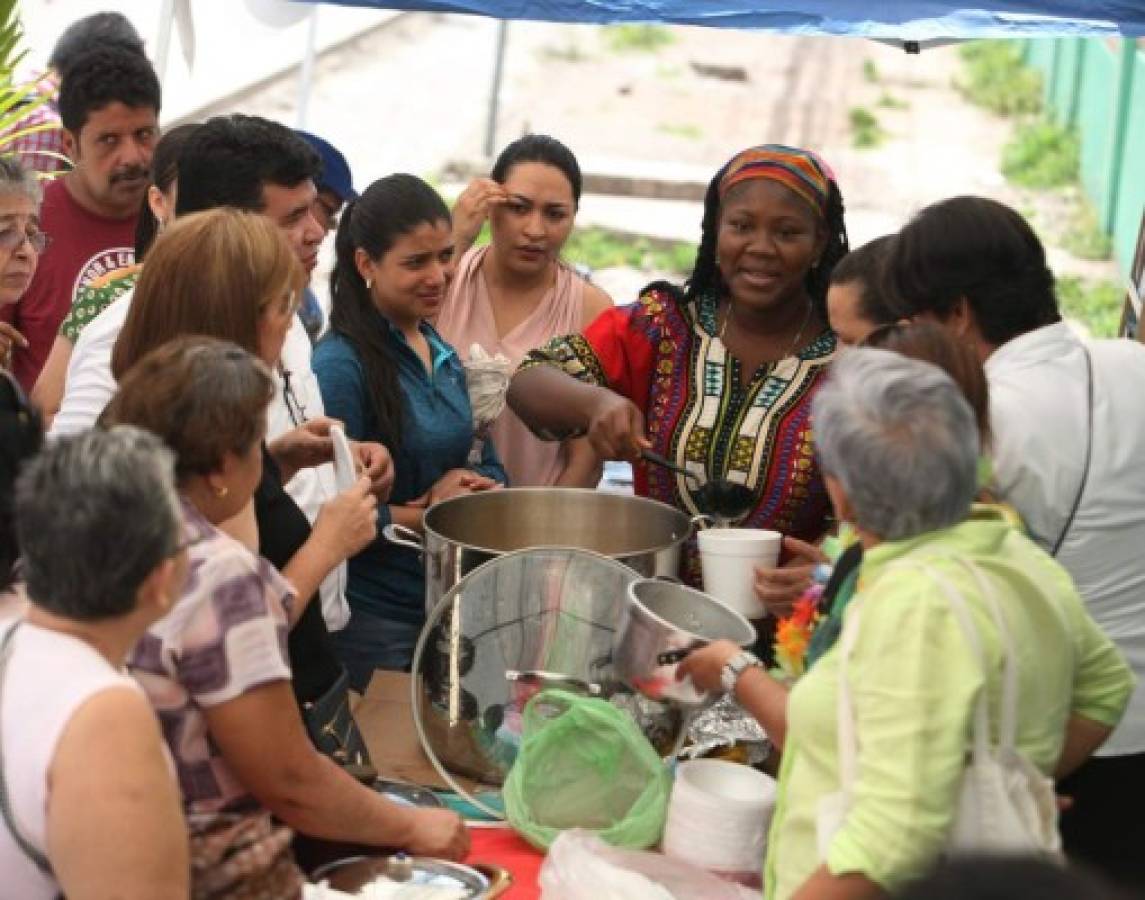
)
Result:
{"points": [[914, 681]]}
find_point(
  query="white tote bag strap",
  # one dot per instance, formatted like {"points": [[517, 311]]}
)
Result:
{"points": [[981, 736], [847, 742], [1008, 717]]}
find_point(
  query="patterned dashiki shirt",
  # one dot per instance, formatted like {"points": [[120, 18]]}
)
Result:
{"points": [[665, 355]]}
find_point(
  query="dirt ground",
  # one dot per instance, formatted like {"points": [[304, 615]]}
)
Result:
{"points": [[413, 96]]}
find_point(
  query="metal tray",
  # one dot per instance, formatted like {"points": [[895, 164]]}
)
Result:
{"points": [[352, 874]]}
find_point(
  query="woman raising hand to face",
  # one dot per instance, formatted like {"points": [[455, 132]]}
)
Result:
{"points": [[516, 293]]}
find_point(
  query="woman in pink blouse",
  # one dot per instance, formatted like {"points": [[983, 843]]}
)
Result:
{"points": [[515, 294]]}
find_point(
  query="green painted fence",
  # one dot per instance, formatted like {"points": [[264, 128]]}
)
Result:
{"points": [[1098, 86]]}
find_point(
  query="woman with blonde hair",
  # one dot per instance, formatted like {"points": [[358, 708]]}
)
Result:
{"points": [[231, 275]]}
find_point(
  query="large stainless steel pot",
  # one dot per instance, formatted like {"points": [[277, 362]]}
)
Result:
{"points": [[464, 532]]}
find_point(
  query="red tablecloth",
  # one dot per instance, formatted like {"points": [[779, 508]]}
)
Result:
{"points": [[505, 848]]}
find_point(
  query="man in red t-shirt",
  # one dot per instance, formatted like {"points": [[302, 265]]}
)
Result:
{"points": [[109, 107]]}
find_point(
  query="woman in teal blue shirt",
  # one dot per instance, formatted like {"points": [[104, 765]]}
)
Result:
{"points": [[389, 377]]}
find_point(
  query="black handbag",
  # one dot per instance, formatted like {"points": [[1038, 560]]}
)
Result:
{"points": [[334, 732]]}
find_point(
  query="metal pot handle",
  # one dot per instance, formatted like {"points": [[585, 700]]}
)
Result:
{"points": [[404, 537], [702, 521], [544, 679]]}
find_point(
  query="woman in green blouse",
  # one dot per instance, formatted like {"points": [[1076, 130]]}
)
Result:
{"points": [[899, 449]]}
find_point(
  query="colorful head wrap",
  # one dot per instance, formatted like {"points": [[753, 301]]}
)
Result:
{"points": [[800, 170]]}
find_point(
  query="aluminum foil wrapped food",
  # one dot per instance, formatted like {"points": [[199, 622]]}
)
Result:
{"points": [[724, 725], [487, 378]]}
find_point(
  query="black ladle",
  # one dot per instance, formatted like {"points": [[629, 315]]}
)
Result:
{"points": [[721, 499]]}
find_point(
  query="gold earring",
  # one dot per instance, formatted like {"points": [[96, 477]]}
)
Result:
{"points": [[221, 492]]}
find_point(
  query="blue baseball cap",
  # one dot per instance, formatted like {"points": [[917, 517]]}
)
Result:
{"points": [[335, 175]]}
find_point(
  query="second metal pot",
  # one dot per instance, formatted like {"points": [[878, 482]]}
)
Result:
{"points": [[660, 619]]}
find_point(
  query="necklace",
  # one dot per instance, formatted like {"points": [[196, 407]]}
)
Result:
{"points": [[794, 343]]}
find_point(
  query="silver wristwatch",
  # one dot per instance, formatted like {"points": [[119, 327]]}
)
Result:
{"points": [[735, 667]]}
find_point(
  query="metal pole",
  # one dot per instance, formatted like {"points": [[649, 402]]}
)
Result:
{"points": [[495, 89], [306, 74], [163, 41]]}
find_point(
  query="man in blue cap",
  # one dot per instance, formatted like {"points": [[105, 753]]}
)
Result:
{"points": [[335, 189]]}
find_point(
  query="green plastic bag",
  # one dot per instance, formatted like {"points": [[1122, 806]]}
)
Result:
{"points": [[583, 763]]}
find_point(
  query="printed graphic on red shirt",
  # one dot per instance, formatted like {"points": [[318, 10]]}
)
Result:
{"points": [[84, 247], [103, 262]]}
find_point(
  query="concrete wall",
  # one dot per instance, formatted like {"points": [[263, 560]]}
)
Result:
{"points": [[1097, 85]]}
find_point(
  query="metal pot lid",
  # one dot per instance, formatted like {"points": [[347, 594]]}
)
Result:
{"points": [[354, 874], [492, 641]]}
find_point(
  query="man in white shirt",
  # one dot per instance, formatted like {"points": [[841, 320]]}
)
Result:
{"points": [[262, 167], [1068, 439]]}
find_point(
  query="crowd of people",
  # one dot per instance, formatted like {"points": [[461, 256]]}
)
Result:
{"points": [[189, 596]]}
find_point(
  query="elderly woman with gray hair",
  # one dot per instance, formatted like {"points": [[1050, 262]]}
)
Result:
{"points": [[899, 449], [90, 805], [21, 243]]}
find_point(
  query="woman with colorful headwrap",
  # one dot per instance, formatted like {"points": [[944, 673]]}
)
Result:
{"points": [[718, 375]]}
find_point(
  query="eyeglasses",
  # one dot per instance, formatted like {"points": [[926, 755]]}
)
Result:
{"points": [[11, 238], [294, 406]]}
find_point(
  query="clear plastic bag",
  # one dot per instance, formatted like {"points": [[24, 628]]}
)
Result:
{"points": [[580, 866], [583, 763], [487, 378]]}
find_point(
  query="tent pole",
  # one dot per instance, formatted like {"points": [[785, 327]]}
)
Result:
{"points": [[495, 89], [306, 73], [163, 42]]}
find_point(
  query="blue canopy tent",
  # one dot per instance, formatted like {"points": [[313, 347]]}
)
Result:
{"points": [[912, 24], [900, 20]]}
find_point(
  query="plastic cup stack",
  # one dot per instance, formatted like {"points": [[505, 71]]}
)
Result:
{"points": [[718, 817]]}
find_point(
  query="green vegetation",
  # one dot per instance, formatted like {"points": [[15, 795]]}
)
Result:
{"points": [[1097, 304], [637, 38], [681, 129], [866, 132], [890, 101], [1042, 155], [1084, 237], [16, 100], [995, 77], [598, 248], [870, 71]]}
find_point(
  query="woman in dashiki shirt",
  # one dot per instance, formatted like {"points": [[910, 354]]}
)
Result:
{"points": [[722, 371]]}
